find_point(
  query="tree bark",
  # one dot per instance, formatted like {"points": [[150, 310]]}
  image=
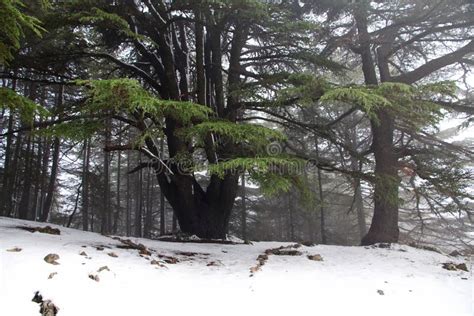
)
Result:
{"points": [[85, 185], [291, 224], [128, 220], [384, 226], [148, 224], [322, 213], [23, 207], [200, 213], [244, 209], [52, 181], [8, 173], [106, 217], [9, 204], [119, 176], [162, 198], [139, 201]]}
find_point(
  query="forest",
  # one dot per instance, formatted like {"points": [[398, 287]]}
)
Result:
{"points": [[174, 127], [321, 121]]}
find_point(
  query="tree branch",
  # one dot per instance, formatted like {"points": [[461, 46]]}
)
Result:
{"points": [[435, 64]]}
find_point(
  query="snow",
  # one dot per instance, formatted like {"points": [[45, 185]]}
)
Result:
{"points": [[344, 283]]}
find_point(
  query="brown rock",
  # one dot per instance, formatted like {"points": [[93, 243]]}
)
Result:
{"points": [[112, 254], [462, 266], [51, 258], [94, 277], [171, 260], [262, 259], [51, 275], [316, 257], [14, 249], [44, 230], [455, 253], [103, 268], [49, 230], [449, 266], [144, 252], [287, 252], [83, 253], [157, 263]]}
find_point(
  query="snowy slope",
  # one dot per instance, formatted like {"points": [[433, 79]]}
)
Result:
{"points": [[346, 282]]}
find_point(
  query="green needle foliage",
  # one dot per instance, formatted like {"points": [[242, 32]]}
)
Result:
{"points": [[14, 24], [127, 95], [256, 135], [415, 106], [27, 109]]}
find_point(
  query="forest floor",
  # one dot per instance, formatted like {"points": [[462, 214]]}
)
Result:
{"points": [[100, 275]]}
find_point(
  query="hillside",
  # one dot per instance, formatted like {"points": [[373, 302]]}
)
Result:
{"points": [[163, 278]]}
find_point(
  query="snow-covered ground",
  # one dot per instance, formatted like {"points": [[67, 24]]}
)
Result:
{"points": [[214, 279]]}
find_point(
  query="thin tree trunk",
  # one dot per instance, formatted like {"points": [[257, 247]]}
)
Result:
{"points": [[44, 174], [119, 175], [85, 184], [54, 167], [149, 209], [23, 207], [8, 173], [139, 202], [321, 198], [162, 198], [105, 227], [291, 224], [9, 205], [76, 204], [38, 183], [128, 224], [52, 181], [358, 200], [244, 209], [174, 227], [200, 71]]}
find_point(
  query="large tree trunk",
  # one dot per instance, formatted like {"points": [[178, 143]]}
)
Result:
{"points": [[384, 227], [204, 214]]}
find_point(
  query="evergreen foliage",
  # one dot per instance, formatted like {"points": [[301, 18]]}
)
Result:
{"points": [[413, 105], [14, 25], [27, 109]]}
